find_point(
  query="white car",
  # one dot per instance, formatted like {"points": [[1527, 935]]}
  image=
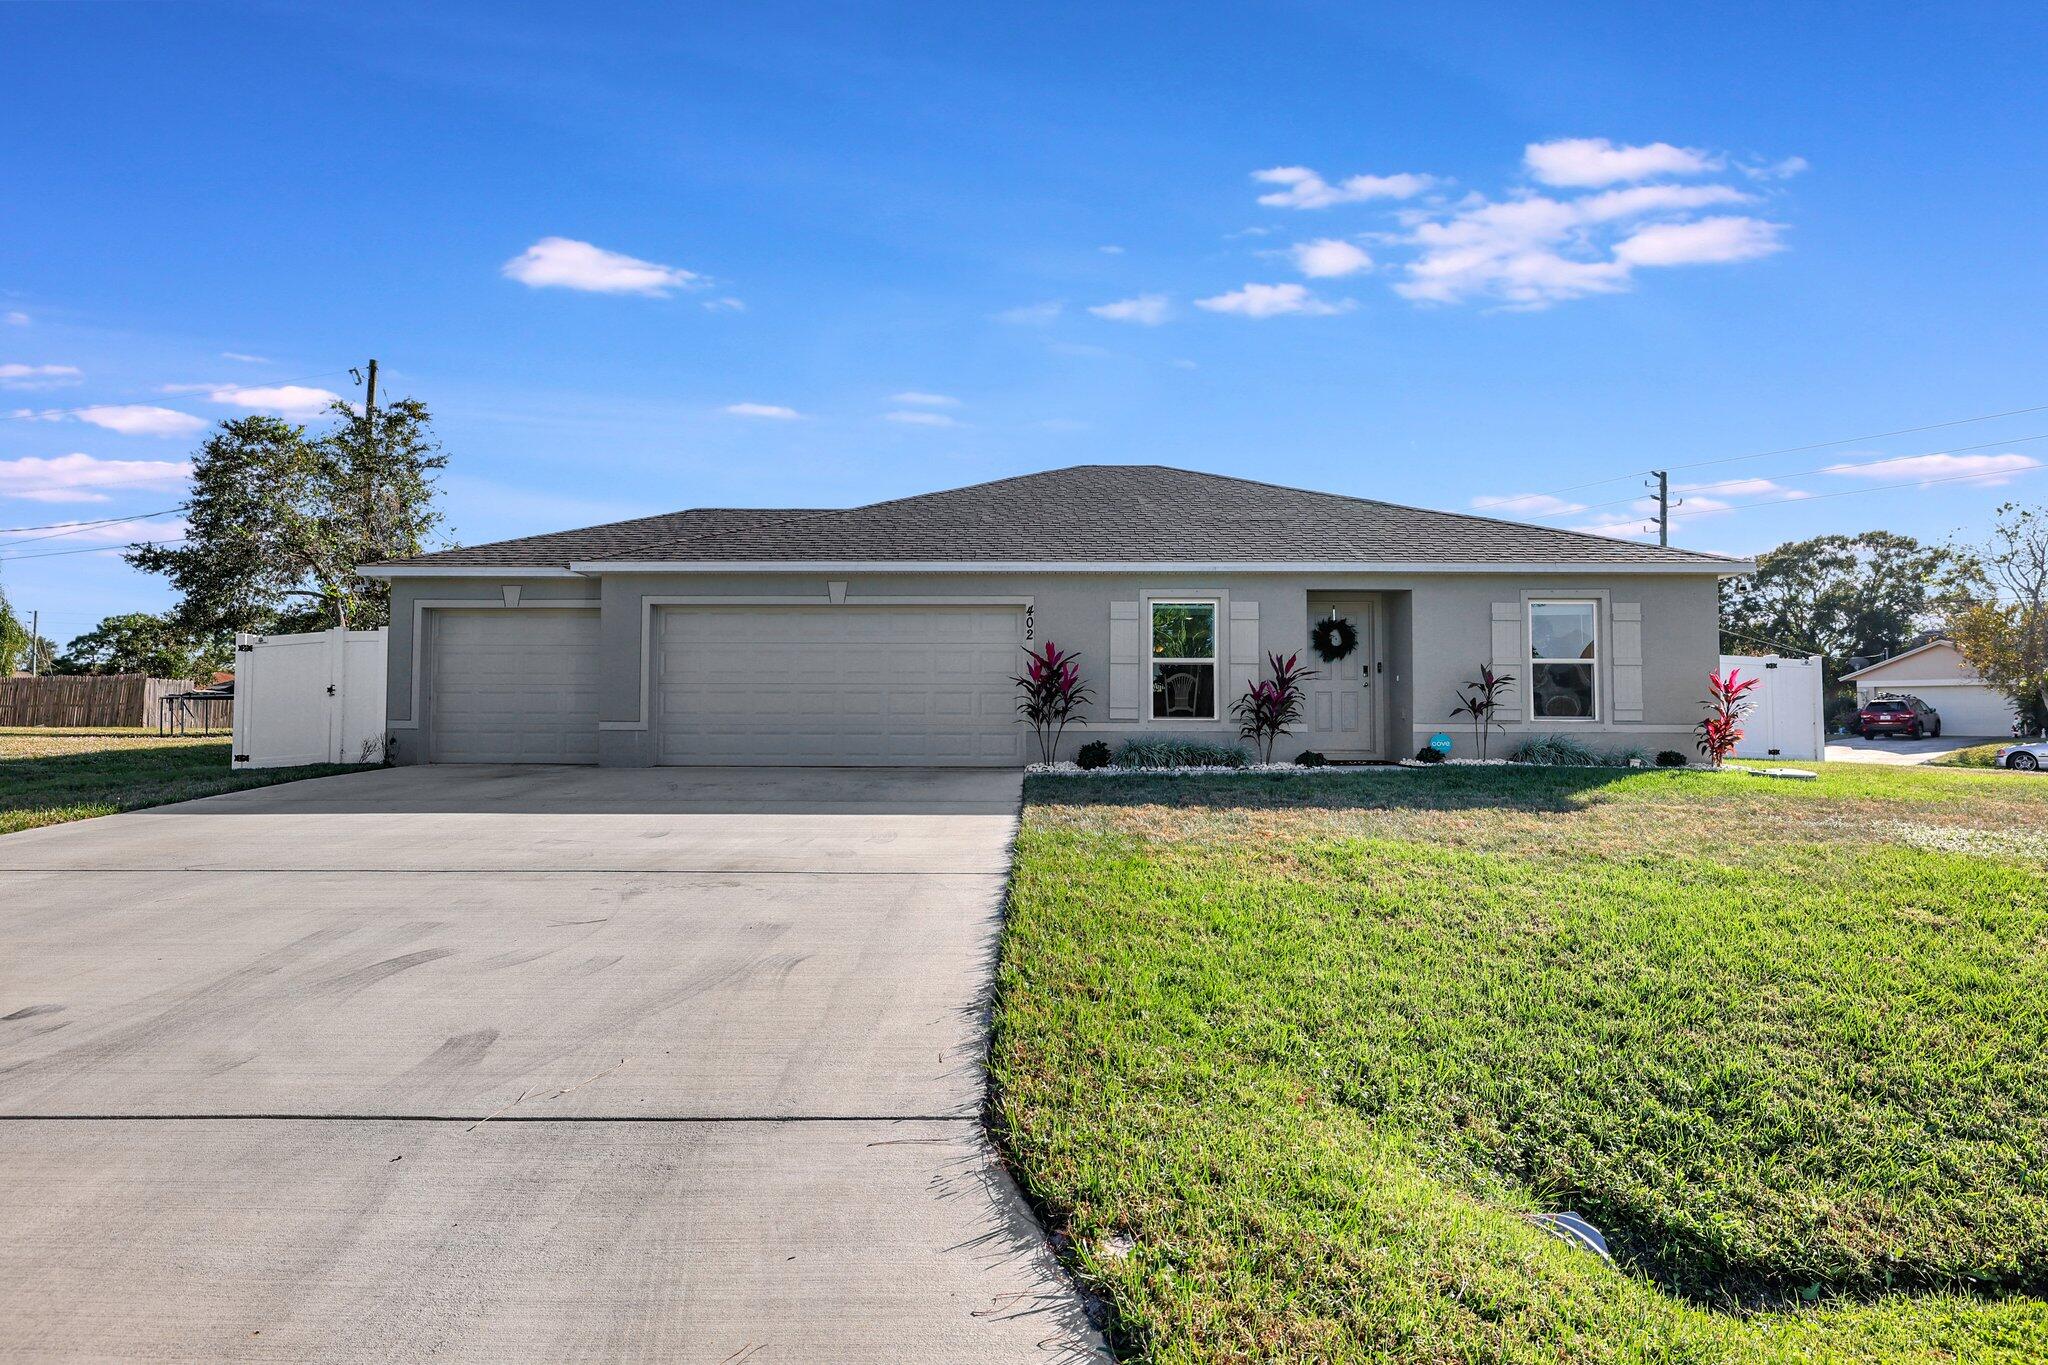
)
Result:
{"points": [[2029, 755]]}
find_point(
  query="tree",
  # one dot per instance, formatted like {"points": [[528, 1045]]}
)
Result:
{"points": [[279, 520], [1842, 597], [2004, 634], [138, 642], [14, 638]]}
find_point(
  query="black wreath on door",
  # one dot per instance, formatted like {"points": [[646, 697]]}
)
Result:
{"points": [[1333, 638]]}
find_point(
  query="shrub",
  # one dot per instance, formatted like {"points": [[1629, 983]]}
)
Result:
{"points": [[1050, 691], [1428, 755], [1556, 751], [1309, 758], [1484, 699], [1727, 703], [1671, 758], [1094, 754], [1628, 756], [1179, 753], [1267, 709]]}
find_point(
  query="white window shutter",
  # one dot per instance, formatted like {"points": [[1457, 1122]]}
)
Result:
{"points": [[1625, 659], [1245, 658], [1510, 659], [1126, 661]]}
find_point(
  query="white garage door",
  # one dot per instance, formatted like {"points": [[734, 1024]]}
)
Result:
{"points": [[514, 686], [838, 685], [1970, 709]]}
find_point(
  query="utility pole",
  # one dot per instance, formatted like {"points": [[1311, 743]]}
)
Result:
{"points": [[35, 639], [1664, 504], [370, 398]]}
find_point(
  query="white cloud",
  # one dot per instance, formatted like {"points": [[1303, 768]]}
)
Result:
{"points": [[1527, 505], [1705, 241], [17, 318], [1743, 488], [1302, 188], [1583, 162], [772, 411], [138, 419], [1783, 169], [17, 376], [1329, 258], [915, 399], [1110, 250], [1271, 301], [83, 478], [564, 263], [1623, 527], [245, 359], [1147, 310], [286, 400], [725, 303], [1185, 364], [1990, 471], [1033, 314], [920, 419]]}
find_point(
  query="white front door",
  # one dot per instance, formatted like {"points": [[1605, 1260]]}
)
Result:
{"points": [[1343, 697]]}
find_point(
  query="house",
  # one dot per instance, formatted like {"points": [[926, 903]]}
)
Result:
{"points": [[889, 634], [1938, 674]]}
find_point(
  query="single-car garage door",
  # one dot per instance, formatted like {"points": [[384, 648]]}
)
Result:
{"points": [[838, 685], [514, 685], [1968, 708]]}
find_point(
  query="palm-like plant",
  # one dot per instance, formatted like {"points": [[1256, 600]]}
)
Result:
{"points": [[1480, 700], [1051, 692], [1267, 709], [1728, 702]]}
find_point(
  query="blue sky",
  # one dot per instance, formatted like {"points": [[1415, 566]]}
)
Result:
{"points": [[819, 255]]}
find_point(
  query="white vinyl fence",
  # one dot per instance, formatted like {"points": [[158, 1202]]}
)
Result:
{"points": [[1789, 720], [309, 698]]}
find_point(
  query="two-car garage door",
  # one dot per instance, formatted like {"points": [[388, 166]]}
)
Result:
{"points": [[746, 685], [837, 685]]}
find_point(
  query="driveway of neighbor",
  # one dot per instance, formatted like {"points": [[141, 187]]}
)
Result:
{"points": [[517, 1063], [1856, 749]]}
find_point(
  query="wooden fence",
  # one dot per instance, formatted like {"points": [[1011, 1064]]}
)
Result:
{"points": [[93, 699]]}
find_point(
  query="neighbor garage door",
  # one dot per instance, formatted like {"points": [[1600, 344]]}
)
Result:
{"points": [[838, 685], [514, 686], [1969, 709]]}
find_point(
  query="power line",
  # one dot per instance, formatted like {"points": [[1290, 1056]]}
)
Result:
{"points": [[83, 526], [28, 415], [52, 525], [1829, 469], [1765, 454], [88, 550]]}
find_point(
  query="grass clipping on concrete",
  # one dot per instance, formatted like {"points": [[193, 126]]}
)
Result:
{"points": [[1291, 1061], [49, 776]]}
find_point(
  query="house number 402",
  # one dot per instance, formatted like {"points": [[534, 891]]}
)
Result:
{"points": [[1030, 625]]}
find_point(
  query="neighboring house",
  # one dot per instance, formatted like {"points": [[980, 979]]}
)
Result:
{"points": [[1937, 673], [889, 634]]}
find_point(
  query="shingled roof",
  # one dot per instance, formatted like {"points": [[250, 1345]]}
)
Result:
{"points": [[1085, 514]]}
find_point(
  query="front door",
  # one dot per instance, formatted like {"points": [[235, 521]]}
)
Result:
{"points": [[1343, 718]]}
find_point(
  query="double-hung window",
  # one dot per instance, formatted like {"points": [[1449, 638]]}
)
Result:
{"points": [[1564, 660], [1183, 660]]}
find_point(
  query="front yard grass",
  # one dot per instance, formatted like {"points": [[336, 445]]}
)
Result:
{"points": [[1291, 1059], [48, 776]]}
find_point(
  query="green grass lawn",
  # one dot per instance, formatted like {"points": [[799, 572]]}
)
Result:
{"points": [[48, 776], [1291, 1059], [1976, 756]]}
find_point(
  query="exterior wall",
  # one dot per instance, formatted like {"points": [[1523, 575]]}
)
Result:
{"points": [[1940, 663], [1438, 632]]}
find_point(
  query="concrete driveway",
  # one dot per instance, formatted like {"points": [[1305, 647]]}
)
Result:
{"points": [[517, 1063], [1856, 749]]}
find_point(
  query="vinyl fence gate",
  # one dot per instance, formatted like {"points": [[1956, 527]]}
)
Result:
{"points": [[1789, 720], [315, 698]]}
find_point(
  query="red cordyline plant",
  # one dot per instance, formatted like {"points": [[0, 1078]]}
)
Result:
{"points": [[1728, 702], [1052, 692], [1483, 701], [1269, 708]]}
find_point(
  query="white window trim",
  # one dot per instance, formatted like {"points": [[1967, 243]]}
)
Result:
{"points": [[1220, 607], [1599, 716]]}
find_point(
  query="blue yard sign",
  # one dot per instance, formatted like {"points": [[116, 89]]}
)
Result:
{"points": [[1441, 742]]}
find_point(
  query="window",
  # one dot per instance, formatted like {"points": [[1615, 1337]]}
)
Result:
{"points": [[1564, 675], [1184, 661]]}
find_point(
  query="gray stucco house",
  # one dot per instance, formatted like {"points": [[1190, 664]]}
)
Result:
{"points": [[888, 634]]}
